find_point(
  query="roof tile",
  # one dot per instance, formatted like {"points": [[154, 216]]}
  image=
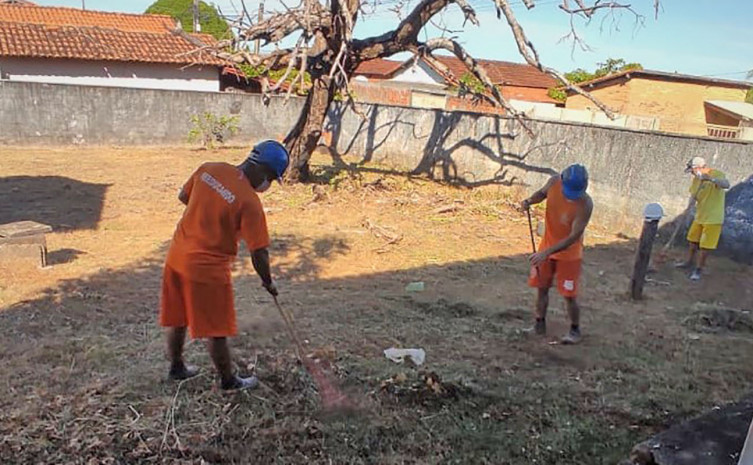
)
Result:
{"points": [[51, 32], [502, 72], [378, 67]]}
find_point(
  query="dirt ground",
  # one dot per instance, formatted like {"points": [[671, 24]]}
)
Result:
{"points": [[83, 363]]}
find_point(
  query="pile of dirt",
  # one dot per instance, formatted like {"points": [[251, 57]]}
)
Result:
{"points": [[423, 387], [712, 318], [737, 239]]}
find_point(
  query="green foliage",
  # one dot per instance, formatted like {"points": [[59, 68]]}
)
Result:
{"points": [[749, 96], [557, 93], [472, 83], [208, 128], [614, 65], [578, 75], [277, 74], [611, 66], [341, 97], [182, 10]]}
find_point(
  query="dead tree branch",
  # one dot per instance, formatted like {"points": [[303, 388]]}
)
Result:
{"points": [[282, 25], [528, 52], [470, 62]]}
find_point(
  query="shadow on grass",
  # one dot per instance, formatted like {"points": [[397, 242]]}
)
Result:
{"points": [[88, 368], [60, 202]]}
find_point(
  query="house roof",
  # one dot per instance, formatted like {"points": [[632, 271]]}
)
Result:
{"points": [[52, 32], [742, 110], [378, 68], [662, 76], [501, 73]]}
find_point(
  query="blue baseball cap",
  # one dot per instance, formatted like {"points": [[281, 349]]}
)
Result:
{"points": [[272, 154], [574, 181]]}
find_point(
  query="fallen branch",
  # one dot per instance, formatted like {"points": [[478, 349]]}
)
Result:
{"points": [[381, 232]]}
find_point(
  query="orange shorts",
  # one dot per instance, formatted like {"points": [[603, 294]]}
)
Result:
{"points": [[207, 308], [567, 272]]}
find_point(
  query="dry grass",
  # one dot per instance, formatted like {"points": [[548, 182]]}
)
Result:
{"points": [[83, 356]]}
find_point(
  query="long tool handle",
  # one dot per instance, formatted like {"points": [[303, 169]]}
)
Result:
{"points": [[288, 319], [533, 241], [530, 230], [681, 220]]}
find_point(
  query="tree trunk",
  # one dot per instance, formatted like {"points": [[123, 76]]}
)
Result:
{"points": [[304, 137]]}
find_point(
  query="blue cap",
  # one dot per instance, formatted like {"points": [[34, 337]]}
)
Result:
{"points": [[272, 154], [574, 181]]}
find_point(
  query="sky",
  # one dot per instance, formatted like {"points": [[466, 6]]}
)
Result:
{"points": [[702, 37]]}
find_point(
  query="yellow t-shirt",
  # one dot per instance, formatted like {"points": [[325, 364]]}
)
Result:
{"points": [[710, 199]]}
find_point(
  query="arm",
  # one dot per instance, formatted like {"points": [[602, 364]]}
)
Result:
{"points": [[253, 228], [540, 195], [721, 183], [183, 197], [185, 191], [717, 178], [576, 232], [260, 260]]}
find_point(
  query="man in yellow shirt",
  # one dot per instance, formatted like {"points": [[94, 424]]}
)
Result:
{"points": [[708, 192]]}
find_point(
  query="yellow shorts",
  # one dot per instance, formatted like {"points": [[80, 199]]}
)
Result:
{"points": [[707, 235]]}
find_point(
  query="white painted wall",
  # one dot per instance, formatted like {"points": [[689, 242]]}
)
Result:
{"points": [[112, 74], [419, 73]]}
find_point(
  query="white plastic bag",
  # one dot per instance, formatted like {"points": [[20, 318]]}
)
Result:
{"points": [[417, 356]]}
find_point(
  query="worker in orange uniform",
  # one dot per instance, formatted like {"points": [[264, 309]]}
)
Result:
{"points": [[568, 210], [222, 207]]}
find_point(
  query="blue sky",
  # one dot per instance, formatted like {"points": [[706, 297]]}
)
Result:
{"points": [[703, 37]]}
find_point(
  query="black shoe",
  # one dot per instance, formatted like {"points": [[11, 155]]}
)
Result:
{"points": [[252, 382], [538, 328], [183, 371]]}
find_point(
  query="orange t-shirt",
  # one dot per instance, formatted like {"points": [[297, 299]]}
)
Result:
{"points": [[222, 209], [560, 214]]}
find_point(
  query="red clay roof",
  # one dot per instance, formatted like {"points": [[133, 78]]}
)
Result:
{"points": [[51, 32], [378, 67], [502, 73]]}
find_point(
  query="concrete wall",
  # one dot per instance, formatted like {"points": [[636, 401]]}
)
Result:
{"points": [[679, 105], [32, 113], [115, 74], [422, 99], [628, 168]]}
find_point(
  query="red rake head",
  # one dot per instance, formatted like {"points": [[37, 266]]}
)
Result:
{"points": [[331, 397]]}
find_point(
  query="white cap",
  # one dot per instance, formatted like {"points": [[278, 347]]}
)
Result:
{"points": [[697, 162]]}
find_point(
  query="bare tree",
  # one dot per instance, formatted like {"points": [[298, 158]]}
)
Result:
{"points": [[327, 50]]}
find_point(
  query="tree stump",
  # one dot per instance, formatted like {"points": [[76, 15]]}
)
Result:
{"points": [[652, 214]]}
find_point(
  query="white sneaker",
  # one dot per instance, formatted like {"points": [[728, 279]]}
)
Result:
{"points": [[572, 337], [252, 382]]}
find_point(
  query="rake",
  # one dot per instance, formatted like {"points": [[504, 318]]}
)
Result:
{"points": [[330, 395]]}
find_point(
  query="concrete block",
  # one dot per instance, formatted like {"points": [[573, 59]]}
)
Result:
{"points": [[24, 240]]}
